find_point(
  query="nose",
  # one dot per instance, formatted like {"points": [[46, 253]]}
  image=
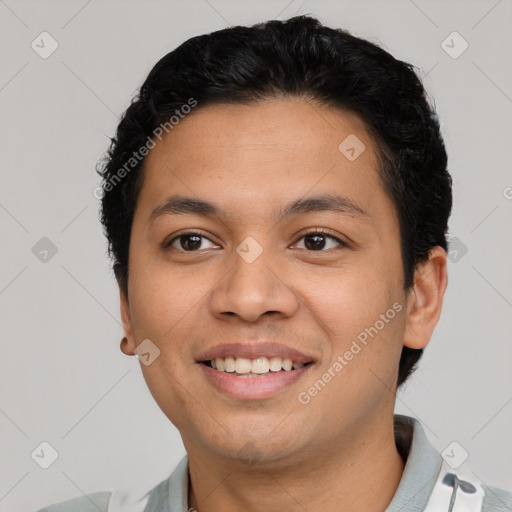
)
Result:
{"points": [[253, 288]]}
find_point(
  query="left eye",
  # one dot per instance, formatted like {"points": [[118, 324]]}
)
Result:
{"points": [[316, 241]]}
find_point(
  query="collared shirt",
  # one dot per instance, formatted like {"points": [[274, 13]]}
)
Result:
{"points": [[428, 484]]}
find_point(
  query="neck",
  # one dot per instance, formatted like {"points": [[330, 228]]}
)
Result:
{"points": [[360, 472]]}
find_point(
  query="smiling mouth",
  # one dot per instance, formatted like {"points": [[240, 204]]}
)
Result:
{"points": [[259, 367]]}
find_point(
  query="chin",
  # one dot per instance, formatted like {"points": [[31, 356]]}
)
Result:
{"points": [[264, 449]]}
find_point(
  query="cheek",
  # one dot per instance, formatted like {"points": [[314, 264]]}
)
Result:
{"points": [[163, 297], [362, 314], [344, 298]]}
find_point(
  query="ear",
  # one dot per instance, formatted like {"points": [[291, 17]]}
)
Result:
{"points": [[425, 299], [128, 342]]}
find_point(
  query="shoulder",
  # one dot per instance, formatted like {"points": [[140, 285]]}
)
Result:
{"points": [[461, 489], [173, 490], [94, 502], [496, 499]]}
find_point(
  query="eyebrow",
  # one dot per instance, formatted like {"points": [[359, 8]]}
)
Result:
{"points": [[176, 205]]}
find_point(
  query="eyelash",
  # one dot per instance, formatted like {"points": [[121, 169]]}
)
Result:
{"points": [[320, 231]]}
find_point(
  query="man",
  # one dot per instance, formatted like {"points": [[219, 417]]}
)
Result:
{"points": [[276, 202]]}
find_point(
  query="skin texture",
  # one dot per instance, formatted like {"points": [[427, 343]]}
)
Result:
{"points": [[336, 452]]}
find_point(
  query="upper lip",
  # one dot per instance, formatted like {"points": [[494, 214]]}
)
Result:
{"points": [[253, 351]]}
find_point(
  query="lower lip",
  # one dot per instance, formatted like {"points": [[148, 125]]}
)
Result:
{"points": [[253, 388]]}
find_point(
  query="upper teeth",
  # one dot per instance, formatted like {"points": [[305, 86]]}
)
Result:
{"points": [[259, 365]]}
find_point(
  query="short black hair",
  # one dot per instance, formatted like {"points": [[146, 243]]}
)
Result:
{"points": [[298, 57]]}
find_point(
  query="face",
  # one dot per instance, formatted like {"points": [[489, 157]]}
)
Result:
{"points": [[262, 275]]}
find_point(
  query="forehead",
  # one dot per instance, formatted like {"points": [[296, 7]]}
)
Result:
{"points": [[245, 156]]}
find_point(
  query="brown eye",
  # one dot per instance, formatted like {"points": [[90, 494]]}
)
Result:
{"points": [[187, 242], [318, 241]]}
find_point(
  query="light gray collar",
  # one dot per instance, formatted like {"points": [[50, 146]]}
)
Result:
{"points": [[421, 471]]}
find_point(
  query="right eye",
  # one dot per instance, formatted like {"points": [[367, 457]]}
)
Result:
{"points": [[187, 242]]}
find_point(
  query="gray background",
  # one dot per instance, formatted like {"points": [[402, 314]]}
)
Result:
{"points": [[63, 378]]}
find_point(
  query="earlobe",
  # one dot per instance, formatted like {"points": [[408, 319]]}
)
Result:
{"points": [[425, 299], [124, 346], [127, 345]]}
